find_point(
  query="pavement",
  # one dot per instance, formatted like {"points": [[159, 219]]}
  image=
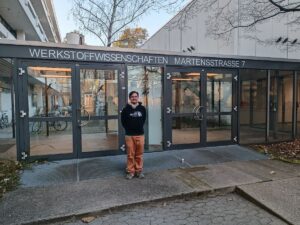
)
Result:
{"points": [[280, 196], [62, 190], [224, 209]]}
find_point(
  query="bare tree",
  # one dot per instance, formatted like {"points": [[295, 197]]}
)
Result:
{"points": [[224, 16], [107, 18]]}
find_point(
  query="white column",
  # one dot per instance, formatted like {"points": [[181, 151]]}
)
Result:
{"points": [[21, 35]]}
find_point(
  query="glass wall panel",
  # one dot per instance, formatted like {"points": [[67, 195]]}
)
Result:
{"points": [[218, 128], [50, 137], [298, 104], [253, 104], [219, 102], [147, 80], [99, 97], [99, 92], [99, 135], [49, 92], [185, 130], [219, 92], [185, 92], [281, 105], [49, 100], [7, 125]]}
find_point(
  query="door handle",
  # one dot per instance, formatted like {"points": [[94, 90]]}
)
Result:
{"points": [[85, 122], [198, 115]]}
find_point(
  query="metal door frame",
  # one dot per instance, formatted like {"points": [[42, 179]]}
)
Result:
{"points": [[234, 110], [168, 115], [122, 77], [23, 138], [203, 98], [22, 124]]}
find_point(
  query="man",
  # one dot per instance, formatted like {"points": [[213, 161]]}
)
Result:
{"points": [[133, 118]]}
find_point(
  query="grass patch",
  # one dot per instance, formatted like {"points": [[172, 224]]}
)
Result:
{"points": [[284, 151], [10, 175]]}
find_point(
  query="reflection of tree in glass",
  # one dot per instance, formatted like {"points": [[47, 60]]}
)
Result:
{"points": [[147, 79], [190, 99]]}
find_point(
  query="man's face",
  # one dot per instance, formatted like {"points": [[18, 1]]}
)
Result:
{"points": [[134, 98]]}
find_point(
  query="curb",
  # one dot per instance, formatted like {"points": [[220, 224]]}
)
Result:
{"points": [[248, 197], [214, 192], [100, 212]]}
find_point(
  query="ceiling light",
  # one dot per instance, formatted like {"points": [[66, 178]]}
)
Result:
{"points": [[51, 69], [182, 79], [192, 74], [54, 76], [213, 74]]}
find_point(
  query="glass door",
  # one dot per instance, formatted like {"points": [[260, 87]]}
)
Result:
{"points": [[99, 102], [45, 108], [221, 106], [201, 107], [185, 108]]}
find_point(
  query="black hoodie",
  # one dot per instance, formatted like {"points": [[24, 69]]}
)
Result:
{"points": [[133, 119]]}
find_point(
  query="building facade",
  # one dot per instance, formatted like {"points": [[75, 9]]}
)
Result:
{"points": [[68, 99], [191, 28], [62, 101], [27, 20]]}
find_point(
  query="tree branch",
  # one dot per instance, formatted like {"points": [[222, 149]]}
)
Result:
{"points": [[284, 9]]}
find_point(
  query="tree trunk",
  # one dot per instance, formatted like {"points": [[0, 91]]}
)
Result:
{"points": [[110, 27]]}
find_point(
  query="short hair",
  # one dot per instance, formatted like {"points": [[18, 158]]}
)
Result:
{"points": [[133, 92]]}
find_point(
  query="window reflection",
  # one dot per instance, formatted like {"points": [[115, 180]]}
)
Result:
{"points": [[49, 91], [100, 135], [219, 92], [185, 130], [7, 125], [99, 92], [298, 104], [185, 92], [253, 101], [218, 128], [147, 80], [281, 105], [219, 100]]}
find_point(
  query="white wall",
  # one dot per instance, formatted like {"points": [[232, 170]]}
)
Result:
{"points": [[172, 38], [5, 100], [194, 34]]}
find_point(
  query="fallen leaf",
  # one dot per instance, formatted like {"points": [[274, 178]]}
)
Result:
{"points": [[88, 219], [272, 172]]}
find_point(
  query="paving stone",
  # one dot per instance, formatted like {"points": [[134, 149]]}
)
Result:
{"points": [[281, 196], [182, 212]]}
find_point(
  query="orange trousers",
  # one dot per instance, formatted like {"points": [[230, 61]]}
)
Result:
{"points": [[135, 150]]}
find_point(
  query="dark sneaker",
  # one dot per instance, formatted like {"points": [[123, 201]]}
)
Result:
{"points": [[140, 175], [129, 176]]}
